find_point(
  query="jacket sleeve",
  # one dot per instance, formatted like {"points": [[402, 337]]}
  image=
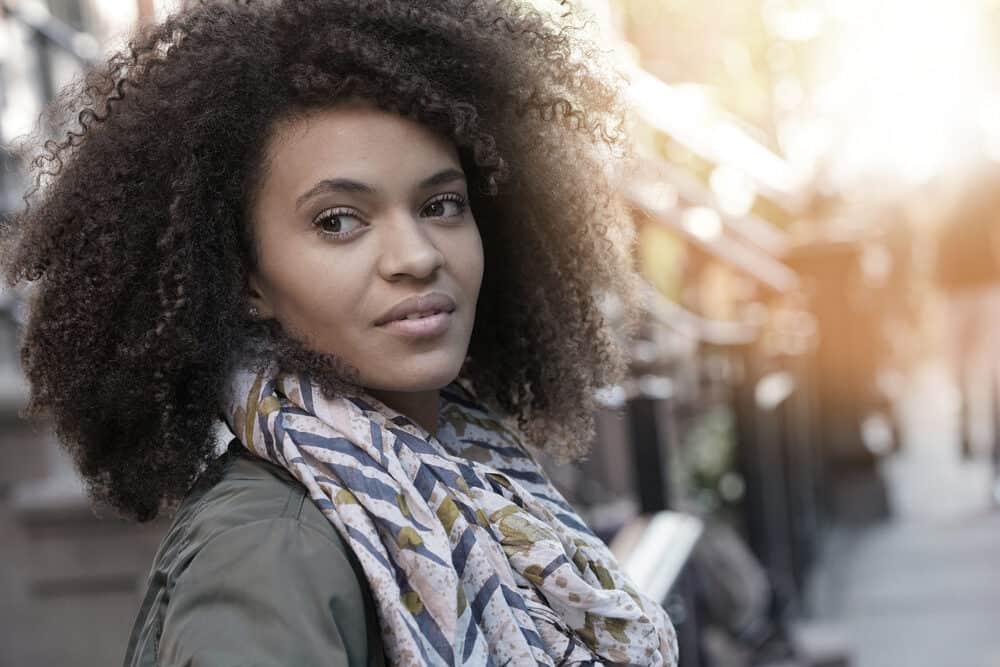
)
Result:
{"points": [[268, 593]]}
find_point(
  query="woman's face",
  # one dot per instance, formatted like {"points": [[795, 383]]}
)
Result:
{"points": [[367, 247]]}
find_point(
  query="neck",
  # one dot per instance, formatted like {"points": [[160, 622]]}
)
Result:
{"points": [[420, 406]]}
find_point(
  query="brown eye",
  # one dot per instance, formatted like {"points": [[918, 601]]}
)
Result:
{"points": [[445, 207], [337, 223]]}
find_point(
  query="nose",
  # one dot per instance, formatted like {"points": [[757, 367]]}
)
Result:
{"points": [[407, 250]]}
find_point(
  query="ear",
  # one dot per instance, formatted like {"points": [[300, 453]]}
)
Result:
{"points": [[256, 295]]}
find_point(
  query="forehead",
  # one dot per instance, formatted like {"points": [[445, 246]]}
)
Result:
{"points": [[355, 141]]}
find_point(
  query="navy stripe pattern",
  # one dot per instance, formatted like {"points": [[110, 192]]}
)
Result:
{"points": [[473, 557]]}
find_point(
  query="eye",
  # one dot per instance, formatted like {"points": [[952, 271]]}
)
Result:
{"points": [[445, 206], [338, 223]]}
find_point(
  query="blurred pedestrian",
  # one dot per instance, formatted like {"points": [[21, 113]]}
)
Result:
{"points": [[968, 273]]}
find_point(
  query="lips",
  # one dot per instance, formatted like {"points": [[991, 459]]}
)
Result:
{"points": [[416, 307]]}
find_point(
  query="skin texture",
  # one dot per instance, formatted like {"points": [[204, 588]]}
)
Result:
{"points": [[138, 239], [400, 239]]}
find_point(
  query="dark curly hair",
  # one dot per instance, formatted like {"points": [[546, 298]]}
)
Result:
{"points": [[136, 245]]}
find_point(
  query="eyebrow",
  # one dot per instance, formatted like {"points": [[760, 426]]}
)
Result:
{"points": [[347, 185]]}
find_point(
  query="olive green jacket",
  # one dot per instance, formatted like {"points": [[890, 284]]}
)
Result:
{"points": [[252, 573]]}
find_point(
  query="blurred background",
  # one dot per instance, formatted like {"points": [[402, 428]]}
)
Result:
{"points": [[803, 463]]}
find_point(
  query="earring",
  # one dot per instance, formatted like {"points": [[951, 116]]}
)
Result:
{"points": [[254, 312]]}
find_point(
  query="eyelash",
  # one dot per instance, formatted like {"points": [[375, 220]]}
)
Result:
{"points": [[338, 212], [331, 214], [458, 199]]}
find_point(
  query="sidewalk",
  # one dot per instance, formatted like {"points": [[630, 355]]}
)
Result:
{"points": [[922, 590]]}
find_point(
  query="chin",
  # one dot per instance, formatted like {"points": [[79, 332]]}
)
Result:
{"points": [[422, 378]]}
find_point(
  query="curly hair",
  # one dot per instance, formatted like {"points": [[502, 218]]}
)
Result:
{"points": [[136, 244]]}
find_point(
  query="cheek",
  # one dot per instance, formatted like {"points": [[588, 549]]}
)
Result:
{"points": [[316, 294], [467, 262]]}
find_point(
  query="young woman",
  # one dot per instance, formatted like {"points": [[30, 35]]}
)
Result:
{"points": [[362, 242]]}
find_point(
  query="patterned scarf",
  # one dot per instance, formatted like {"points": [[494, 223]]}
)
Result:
{"points": [[472, 555]]}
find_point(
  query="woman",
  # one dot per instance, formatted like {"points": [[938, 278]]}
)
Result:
{"points": [[361, 241]]}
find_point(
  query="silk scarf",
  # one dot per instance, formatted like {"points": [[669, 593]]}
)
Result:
{"points": [[471, 554]]}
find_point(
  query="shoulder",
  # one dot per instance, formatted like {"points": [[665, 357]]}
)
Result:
{"points": [[250, 568], [249, 491]]}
